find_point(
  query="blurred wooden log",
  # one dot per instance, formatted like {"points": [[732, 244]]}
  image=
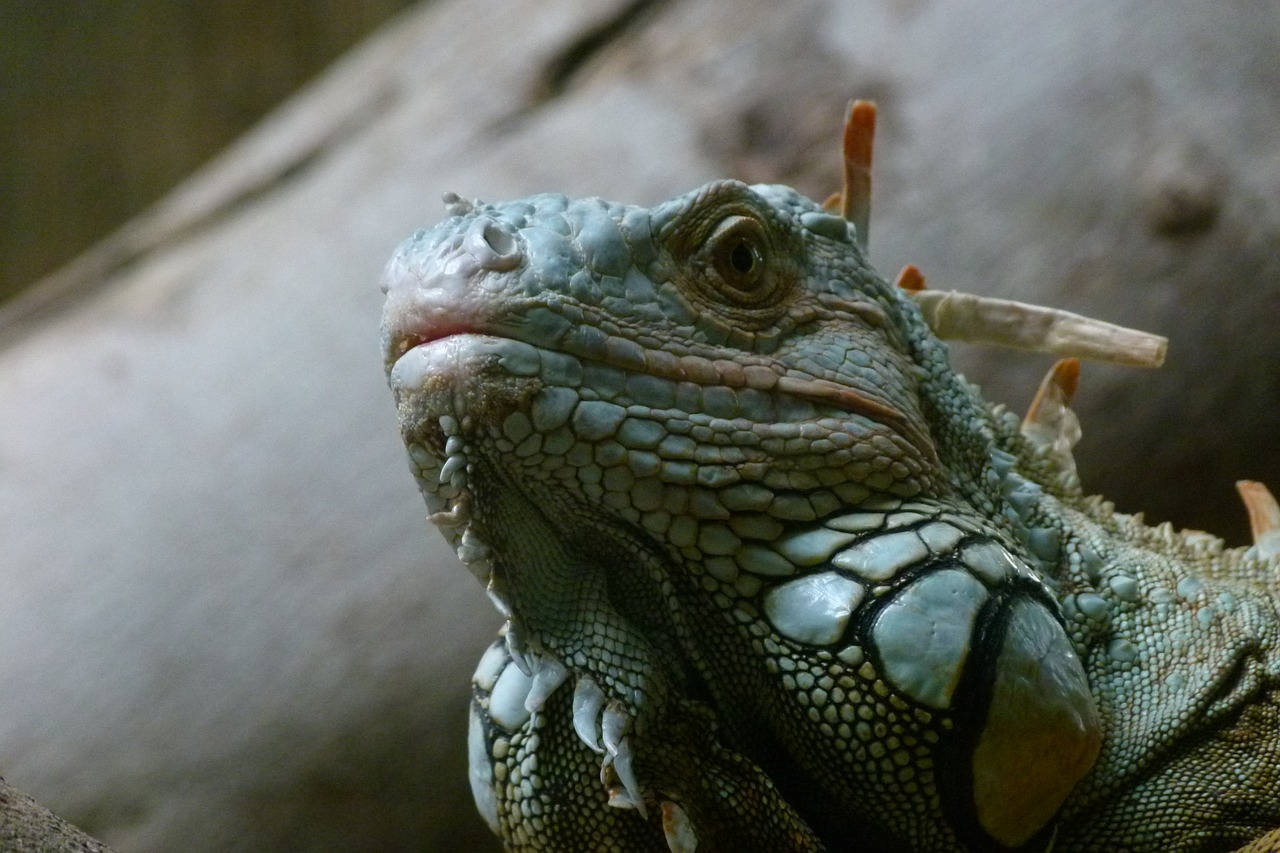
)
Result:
{"points": [[225, 623]]}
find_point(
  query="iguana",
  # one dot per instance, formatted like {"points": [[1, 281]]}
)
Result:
{"points": [[777, 578]]}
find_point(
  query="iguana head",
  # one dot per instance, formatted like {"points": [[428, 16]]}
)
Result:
{"points": [[704, 450], [749, 303]]}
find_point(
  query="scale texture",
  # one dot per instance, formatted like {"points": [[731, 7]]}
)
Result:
{"points": [[777, 578]]}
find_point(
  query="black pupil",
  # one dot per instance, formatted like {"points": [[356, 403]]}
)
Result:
{"points": [[741, 258]]}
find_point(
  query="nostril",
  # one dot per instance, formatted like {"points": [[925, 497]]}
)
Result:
{"points": [[493, 247], [500, 241]]}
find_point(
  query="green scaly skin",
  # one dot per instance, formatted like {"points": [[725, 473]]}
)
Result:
{"points": [[777, 578]]}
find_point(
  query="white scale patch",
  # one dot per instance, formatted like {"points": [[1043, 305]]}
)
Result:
{"points": [[507, 701], [940, 537], [857, 522], [880, 557], [480, 772], [812, 546], [989, 561], [764, 561], [490, 667], [925, 632], [814, 609]]}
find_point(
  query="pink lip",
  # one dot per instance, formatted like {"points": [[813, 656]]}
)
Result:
{"points": [[444, 330], [429, 299], [415, 316], [408, 342]]}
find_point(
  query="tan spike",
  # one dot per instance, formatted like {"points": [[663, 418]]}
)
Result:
{"points": [[1003, 322], [1050, 423], [855, 200], [1057, 390], [1264, 516], [910, 279], [678, 829]]}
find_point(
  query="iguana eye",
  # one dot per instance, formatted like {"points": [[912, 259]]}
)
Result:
{"points": [[739, 264], [737, 249]]}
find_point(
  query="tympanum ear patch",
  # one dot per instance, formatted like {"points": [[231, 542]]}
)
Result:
{"points": [[1042, 732]]}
